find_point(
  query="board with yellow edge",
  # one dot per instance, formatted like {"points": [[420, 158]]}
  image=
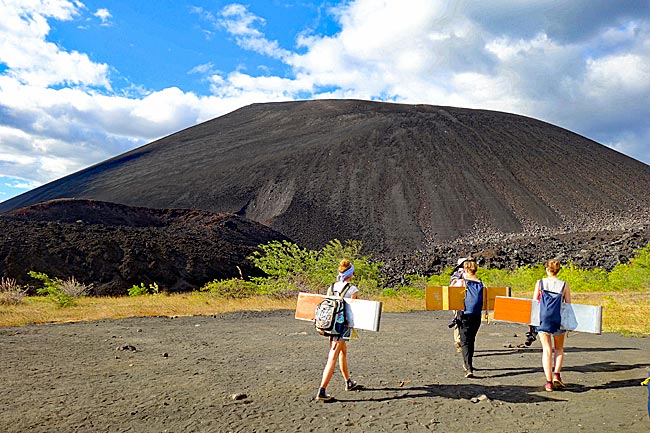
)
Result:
{"points": [[453, 298]]}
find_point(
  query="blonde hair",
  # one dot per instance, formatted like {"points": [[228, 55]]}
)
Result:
{"points": [[344, 265], [470, 265], [553, 266]]}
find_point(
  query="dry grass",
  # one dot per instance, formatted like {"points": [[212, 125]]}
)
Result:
{"points": [[622, 312], [42, 310]]}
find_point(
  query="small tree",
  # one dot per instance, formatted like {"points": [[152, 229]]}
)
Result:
{"points": [[63, 293], [290, 268]]}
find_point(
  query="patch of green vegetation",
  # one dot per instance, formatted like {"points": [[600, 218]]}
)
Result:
{"points": [[142, 289], [631, 276], [291, 269], [64, 293]]}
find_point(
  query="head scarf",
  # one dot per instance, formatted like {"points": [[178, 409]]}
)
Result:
{"points": [[348, 273]]}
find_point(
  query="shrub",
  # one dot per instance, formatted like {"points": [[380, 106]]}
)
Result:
{"points": [[231, 288], [413, 286], [142, 290], [10, 292], [290, 269], [63, 293], [634, 275]]}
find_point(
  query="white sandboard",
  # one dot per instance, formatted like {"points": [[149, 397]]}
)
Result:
{"points": [[361, 313], [574, 317]]}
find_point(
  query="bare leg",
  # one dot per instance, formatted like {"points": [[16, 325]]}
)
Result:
{"points": [[335, 348], [343, 360], [547, 355], [558, 340]]}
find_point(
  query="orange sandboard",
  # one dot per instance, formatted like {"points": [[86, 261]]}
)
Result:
{"points": [[513, 310], [453, 298]]}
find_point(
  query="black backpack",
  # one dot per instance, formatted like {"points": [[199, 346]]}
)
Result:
{"points": [[329, 318]]}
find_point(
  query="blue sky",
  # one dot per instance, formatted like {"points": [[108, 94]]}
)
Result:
{"points": [[82, 81]]}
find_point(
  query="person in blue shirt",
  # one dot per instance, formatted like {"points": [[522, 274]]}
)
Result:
{"points": [[551, 292], [470, 317]]}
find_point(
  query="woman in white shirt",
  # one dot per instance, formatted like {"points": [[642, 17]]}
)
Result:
{"points": [[338, 346]]}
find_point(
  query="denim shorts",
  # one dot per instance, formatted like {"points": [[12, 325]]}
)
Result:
{"points": [[345, 336], [558, 332]]}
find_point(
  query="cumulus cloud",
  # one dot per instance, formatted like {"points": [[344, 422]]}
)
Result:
{"points": [[31, 59], [583, 65]]}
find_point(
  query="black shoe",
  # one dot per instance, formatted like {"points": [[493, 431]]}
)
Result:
{"points": [[530, 338], [323, 396], [350, 385]]}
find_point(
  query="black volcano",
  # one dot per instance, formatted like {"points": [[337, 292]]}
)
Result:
{"points": [[398, 177]]}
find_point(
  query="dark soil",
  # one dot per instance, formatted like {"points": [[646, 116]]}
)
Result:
{"points": [[256, 372]]}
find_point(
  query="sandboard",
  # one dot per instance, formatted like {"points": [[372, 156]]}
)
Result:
{"points": [[453, 298], [361, 313], [574, 317]]}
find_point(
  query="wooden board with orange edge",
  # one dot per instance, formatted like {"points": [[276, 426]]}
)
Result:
{"points": [[453, 298], [575, 317], [361, 313]]}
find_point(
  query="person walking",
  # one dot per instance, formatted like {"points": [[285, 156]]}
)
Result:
{"points": [[470, 317], [337, 345], [551, 292], [456, 274]]}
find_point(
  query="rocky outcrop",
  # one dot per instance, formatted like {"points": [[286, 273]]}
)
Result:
{"points": [[114, 247]]}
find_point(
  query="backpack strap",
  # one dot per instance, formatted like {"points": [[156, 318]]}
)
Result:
{"points": [[345, 290], [330, 290]]}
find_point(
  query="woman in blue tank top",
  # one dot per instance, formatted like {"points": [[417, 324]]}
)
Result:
{"points": [[470, 318], [551, 292]]}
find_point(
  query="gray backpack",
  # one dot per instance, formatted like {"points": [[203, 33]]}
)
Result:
{"points": [[329, 318]]}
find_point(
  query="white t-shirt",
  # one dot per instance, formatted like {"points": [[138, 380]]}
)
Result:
{"points": [[553, 285], [338, 288]]}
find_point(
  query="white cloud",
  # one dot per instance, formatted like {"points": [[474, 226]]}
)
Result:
{"points": [[31, 59], [239, 22], [584, 66], [104, 15]]}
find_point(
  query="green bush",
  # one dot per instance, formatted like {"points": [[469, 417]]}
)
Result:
{"points": [[414, 286], [63, 292], [632, 276], [142, 290], [290, 269], [232, 288]]}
